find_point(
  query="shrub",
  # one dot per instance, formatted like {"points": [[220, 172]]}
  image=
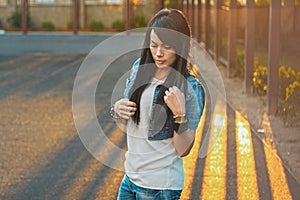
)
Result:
{"points": [[139, 21], [96, 25], [118, 25], [286, 77], [15, 20], [289, 92], [48, 26], [260, 79], [69, 25]]}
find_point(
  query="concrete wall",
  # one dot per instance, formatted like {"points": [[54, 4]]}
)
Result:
{"points": [[6, 10], [106, 13], [58, 15], [4, 13], [61, 14]]}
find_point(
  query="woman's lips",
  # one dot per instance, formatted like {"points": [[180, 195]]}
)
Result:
{"points": [[160, 61]]}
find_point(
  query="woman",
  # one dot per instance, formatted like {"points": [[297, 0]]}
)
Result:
{"points": [[162, 107]]}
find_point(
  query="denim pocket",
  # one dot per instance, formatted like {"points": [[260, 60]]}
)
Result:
{"points": [[149, 194]]}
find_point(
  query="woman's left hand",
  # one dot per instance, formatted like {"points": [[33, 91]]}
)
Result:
{"points": [[175, 100]]}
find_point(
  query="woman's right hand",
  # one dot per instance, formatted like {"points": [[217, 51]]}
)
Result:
{"points": [[125, 108]]}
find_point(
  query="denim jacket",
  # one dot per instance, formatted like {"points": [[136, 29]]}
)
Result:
{"points": [[160, 129]]}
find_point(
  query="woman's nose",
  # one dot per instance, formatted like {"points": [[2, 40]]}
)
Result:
{"points": [[159, 52]]}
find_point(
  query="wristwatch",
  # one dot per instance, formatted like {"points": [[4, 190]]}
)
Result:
{"points": [[180, 123], [180, 119]]}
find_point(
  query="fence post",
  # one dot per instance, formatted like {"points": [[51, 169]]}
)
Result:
{"points": [[231, 39], [180, 5], [249, 46], [188, 9], [193, 17], [161, 4], [75, 16], [217, 31], [273, 56], [199, 22], [24, 16], [207, 25], [127, 14]]}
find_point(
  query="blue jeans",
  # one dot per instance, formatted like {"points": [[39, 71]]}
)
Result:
{"points": [[129, 191]]}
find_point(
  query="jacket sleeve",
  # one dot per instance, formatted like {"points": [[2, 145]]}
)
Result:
{"points": [[195, 102], [200, 95], [132, 76]]}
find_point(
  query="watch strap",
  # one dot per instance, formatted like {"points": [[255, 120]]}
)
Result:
{"points": [[180, 128]]}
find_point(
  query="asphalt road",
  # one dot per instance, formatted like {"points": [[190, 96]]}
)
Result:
{"points": [[43, 157], [15, 44]]}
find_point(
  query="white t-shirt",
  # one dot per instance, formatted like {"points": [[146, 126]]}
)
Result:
{"points": [[151, 164]]}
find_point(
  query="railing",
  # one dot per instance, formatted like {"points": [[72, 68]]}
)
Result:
{"points": [[221, 32]]}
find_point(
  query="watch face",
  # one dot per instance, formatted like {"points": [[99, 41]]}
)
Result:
{"points": [[180, 119]]}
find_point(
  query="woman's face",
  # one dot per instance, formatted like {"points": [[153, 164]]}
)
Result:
{"points": [[163, 55]]}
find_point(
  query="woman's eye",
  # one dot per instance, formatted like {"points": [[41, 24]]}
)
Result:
{"points": [[153, 45], [167, 47]]}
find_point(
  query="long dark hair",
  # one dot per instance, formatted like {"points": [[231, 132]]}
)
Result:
{"points": [[172, 28]]}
